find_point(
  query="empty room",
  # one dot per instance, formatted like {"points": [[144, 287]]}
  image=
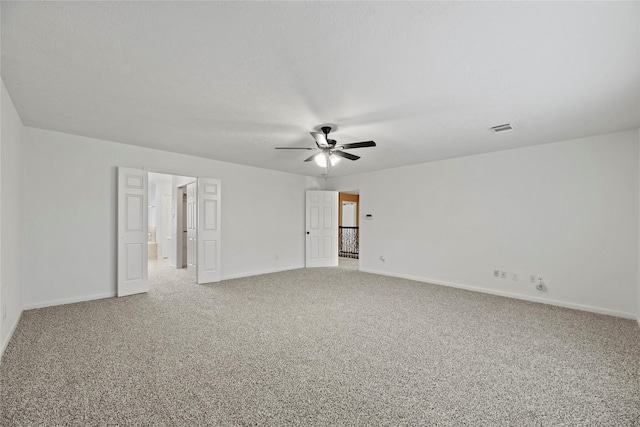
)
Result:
{"points": [[320, 213]]}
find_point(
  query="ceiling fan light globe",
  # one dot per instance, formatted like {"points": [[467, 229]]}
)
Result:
{"points": [[322, 160]]}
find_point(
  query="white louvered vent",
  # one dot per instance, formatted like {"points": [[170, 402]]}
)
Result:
{"points": [[502, 128]]}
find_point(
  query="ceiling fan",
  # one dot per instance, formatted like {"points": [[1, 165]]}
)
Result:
{"points": [[330, 152]]}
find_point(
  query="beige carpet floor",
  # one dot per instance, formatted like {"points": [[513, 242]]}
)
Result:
{"points": [[318, 347]]}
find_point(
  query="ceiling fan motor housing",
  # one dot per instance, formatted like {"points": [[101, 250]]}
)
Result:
{"points": [[328, 147]]}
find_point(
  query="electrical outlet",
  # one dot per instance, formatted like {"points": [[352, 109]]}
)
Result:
{"points": [[496, 273], [503, 274], [540, 281], [515, 277], [533, 279]]}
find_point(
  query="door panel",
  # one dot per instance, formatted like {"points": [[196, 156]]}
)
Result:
{"points": [[209, 197], [132, 232], [135, 257], [327, 216], [210, 256], [314, 247], [322, 229], [314, 223], [327, 246]]}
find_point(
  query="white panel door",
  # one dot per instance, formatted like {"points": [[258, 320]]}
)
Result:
{"points": [[132, 232], [192, 228], [322, 229], [209, 197]]}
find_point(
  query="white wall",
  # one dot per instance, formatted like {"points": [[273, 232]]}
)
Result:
{"points": [[70, 214], [567, 211], [10, 218]]}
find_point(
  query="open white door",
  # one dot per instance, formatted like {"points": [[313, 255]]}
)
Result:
{"points": [[208, 253], [322, 229], [192, 228], [132, 232]]}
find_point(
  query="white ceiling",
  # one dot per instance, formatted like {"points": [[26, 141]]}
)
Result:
{"points": [[232, 80]]}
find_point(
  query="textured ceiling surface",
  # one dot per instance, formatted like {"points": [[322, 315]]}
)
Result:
{"points": [[232, 80]]}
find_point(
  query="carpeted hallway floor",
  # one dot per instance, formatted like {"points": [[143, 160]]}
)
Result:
{"points": [[318, 347]]}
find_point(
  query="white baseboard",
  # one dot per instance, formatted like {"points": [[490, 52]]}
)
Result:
{"points": [[5, 343], [511, 295], [258, 273], [574, 306], [63, 301]]}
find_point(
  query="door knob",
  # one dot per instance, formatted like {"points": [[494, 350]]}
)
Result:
{"points": [[307, 232]]}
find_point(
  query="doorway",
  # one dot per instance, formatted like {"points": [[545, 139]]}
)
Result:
{"points": [[135, 236], [170, 218], [349, 225]]}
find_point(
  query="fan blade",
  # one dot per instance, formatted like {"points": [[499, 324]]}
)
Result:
{"points": [[321, 139], [358, 145], [314, 156], [345, 155], [296, 148]]}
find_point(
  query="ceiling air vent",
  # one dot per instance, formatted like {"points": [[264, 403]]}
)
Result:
{"points": [[502, 128]]}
